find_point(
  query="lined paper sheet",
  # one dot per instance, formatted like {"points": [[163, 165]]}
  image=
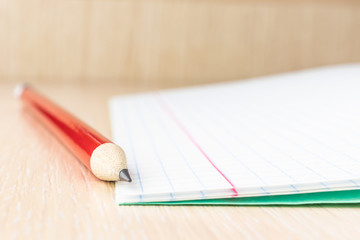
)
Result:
{"points": [[290, 133]]}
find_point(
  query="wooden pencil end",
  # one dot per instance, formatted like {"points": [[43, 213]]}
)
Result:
{"points": [[107, 161]]}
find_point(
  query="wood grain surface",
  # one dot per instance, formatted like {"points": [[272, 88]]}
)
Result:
{"points": [[47, 194], [172, 41]]}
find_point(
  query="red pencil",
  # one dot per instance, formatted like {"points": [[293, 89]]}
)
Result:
{"points": [[103, 158]]}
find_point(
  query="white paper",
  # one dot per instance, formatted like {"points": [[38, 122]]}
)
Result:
{"points": [[283, 134]]}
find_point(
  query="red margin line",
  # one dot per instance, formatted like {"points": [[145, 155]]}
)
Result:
{"points": [[167, 109]]}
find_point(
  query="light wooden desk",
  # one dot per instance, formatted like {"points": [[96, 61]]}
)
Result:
{"points": [[46, 194]]}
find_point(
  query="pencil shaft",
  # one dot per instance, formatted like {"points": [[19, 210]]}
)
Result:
{"points": [[77, 136]]}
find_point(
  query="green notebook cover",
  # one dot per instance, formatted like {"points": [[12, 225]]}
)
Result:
{"points": [[335, 197]]}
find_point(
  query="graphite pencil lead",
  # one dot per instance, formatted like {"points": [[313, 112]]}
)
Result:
{"points": [[124, 175]]}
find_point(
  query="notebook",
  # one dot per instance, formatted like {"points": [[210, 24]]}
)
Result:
{"points": [[260, 141]]}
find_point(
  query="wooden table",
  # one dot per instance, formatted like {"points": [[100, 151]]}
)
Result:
{"points": [[47, 194]]}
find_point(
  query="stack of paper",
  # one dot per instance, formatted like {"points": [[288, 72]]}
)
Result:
{"points": [[280, 135]]}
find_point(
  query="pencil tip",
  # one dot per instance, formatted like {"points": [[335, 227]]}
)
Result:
{"points": [[124, 175]]}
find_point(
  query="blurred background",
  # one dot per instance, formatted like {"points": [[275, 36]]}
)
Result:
{"points": [[172, 42]]}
